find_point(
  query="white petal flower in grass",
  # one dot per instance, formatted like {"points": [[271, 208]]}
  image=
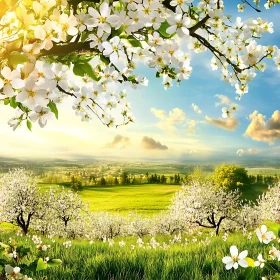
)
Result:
{"points": [[235, 259], [12, 273], [260, 262], [274, 253], [264, 235]]}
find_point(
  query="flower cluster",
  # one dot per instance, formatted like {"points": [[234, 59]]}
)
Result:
{"points": [[51, 50]]}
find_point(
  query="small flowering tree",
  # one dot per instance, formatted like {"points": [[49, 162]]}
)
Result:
{"points": [[53, 50], [20, 200], [65, 206], [269, 204], [205, 205]]}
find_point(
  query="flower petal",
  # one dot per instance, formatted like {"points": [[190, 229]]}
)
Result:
{"points": [[243, 263], [226, 260], [243, 254], [234, 251], [263, 229]]}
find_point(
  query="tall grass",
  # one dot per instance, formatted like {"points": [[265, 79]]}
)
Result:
{"points": [[98, 261]]}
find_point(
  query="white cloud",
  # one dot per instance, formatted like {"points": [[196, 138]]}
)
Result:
{"points": [[227, 124], [224, 100], [168, 123], [150, 144], [249, 151], [261, 130], [196, 108], [160, 114]]}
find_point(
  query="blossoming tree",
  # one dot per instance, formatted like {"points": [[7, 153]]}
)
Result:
{"points": [[51, 50], [21, 200], [206, 206]]}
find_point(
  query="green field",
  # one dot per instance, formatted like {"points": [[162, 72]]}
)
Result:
{"points": [[83, 261], [146, 199], [263, 171]]}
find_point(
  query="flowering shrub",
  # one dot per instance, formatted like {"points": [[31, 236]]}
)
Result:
{"points": [[51, 50]]}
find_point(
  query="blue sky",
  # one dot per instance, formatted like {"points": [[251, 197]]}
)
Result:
{"points": [[69, 138]]}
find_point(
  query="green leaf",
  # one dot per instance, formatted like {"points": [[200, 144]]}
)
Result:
{"points": [[16, 58], [104, 59], [2, 251], [250, 273], [82, 68], [53, 108], [29, 125], [13, 102], [3, 261], [54, 262], [41, 265], [131, 78], [6, 101], [133, 42], [162, 30]]}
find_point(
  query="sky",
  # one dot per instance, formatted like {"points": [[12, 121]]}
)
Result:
{"points": [[181, 124]]}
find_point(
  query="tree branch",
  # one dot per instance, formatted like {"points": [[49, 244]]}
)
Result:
{"points": [[199, 24], [79, 47]]}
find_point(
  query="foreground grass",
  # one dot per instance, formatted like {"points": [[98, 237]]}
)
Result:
{"points": [[146, 199], [193, 261]]}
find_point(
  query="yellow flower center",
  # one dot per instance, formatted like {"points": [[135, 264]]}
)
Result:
{"points": [[102, 19], [31, 93], [41, 74], [65, 27], [179, 24]]}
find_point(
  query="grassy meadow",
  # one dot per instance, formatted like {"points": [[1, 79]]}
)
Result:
{"points": [[145, 199], [195, 261]]}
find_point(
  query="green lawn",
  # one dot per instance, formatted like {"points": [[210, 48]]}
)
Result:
{"points": [[146, 199]]}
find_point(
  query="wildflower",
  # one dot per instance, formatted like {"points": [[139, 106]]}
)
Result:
{"points": [[263, 235], [274, 253], [67, 244], [260, 262], [235, 259]]}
